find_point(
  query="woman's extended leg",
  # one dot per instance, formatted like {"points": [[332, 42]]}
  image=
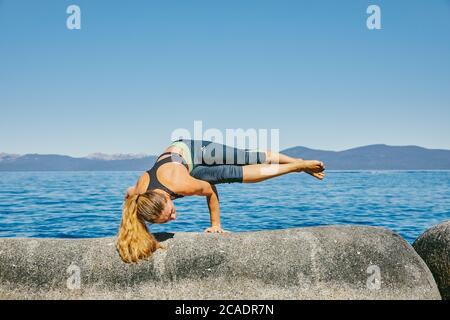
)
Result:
{"points": [[208, 153], [275, 157], [260, 172]]}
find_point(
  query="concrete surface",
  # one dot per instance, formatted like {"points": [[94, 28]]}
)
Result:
{"points": [[333, 262], [434, 248]]}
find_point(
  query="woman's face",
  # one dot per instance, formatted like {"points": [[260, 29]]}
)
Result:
{"points": [[168, 214]]}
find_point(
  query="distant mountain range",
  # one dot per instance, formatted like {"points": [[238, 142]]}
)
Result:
{"points": [[378, 157], [372, 157], [117, 156], [54, 162]]}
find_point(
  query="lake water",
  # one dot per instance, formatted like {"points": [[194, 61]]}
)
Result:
{"points": [[88, 204]]}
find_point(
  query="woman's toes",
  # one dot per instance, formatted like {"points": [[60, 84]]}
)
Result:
{"points": [[321, 175]]}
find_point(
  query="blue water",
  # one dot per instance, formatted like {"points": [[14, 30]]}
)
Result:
{"points": [[88, 204]]}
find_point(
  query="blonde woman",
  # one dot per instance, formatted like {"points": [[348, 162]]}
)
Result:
{"points": [[193, 168]]}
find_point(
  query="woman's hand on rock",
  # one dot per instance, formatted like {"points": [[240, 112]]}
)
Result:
{"points": [[215, 229]]}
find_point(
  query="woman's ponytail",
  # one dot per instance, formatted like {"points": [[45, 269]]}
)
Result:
{"points": [[134, 241]]}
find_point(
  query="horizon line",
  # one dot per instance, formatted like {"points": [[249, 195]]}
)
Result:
{"points": [[144, 155]]}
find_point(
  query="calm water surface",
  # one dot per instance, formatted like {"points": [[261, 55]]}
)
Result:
{"points": [[88, 204]]}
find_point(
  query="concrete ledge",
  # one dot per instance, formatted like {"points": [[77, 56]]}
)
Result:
{"points": [[334, 262], [434, 248]]}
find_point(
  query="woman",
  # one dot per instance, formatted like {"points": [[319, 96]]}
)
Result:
{"points": [[188, 168]]}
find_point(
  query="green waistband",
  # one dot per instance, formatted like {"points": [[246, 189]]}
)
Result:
{"points": [[187, 152]]}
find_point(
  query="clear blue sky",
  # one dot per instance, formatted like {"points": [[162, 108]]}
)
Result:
{"points": [[137, 70]]}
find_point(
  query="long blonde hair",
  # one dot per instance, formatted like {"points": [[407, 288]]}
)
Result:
{"points": [[134, 241]]}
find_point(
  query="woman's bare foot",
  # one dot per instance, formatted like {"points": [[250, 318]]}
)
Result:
{"points": [[319, 175], [312, 167]]}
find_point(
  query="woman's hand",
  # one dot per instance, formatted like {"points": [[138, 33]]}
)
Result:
{"points": [[215, 229], [130, 191]]}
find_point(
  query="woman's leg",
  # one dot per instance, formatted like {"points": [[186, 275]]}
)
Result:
{"points": [[218, 173], [275, 157], [213, 153], [260, 172]]}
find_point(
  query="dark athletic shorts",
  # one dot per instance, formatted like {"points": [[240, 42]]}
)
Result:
{"points": [[217, 163]]}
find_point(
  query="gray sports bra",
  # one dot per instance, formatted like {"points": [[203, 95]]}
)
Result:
{"points": [[154, 182]]}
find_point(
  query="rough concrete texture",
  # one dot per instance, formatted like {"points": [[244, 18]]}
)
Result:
{"points": [[335, 262], [434, 248]]}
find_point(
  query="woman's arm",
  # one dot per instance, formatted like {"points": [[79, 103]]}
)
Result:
{"points": [[197, 187], [214, 211]]}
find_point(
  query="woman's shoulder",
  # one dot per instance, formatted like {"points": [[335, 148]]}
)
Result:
{"points": [[142, 183], [170, 174]]}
